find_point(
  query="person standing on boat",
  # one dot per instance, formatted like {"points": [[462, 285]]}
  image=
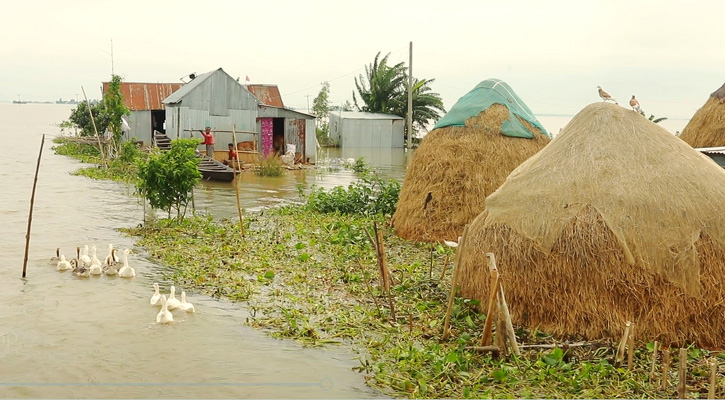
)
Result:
{"points": [[208, 141]]}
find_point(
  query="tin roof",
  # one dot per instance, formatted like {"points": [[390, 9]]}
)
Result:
{"points": [[145, 96], [267, 94], [363, 115], [711, 150], [177, 95]]}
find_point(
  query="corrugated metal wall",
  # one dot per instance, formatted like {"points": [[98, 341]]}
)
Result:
{"points": [[367, 133], [140, 124]]}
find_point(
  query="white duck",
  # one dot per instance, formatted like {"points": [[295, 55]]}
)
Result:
{"points": [[126, 271], [164, 316], [156, 296], [111, 257], [95, 268], [111, 268], [172, 302], [63, 265], [85, 260], [184, 306]]}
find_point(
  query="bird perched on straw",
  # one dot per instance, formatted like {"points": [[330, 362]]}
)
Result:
{"points": [[605, 96], [635, 105]]}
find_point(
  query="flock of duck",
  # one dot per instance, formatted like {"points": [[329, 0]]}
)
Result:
{"points": [[164, 316], [84, 265]]}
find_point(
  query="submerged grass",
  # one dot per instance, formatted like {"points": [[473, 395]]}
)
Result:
{"points": [[313, 277], [122, 168]]}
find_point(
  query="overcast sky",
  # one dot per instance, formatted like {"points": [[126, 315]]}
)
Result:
{"points": [[553, 53]]}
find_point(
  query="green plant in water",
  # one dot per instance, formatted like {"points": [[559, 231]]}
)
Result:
{"points": [[270, 165], [371, 195], [167, 178]]}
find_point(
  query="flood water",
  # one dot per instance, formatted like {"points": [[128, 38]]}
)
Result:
{"points": [[67, 337]]}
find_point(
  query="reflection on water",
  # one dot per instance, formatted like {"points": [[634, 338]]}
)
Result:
{"points": [[68, 337]]}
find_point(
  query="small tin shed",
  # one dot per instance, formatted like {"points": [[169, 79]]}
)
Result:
{"points": [[350, 129]]}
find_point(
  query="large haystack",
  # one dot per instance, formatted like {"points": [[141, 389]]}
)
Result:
{"points": [[472, 149], [615, 220], [707, 126]]}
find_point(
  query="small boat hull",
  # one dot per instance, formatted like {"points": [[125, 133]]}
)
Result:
{"points": [[213, 170]]}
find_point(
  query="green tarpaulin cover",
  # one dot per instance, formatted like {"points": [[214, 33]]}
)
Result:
{"points": [[483, 96]]}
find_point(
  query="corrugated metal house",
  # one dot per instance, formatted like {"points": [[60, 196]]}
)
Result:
{"points": [[217, 100], [145, 101], [350, 129]]}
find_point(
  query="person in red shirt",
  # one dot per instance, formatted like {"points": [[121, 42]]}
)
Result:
{"points": [[208, 141], [232, 155]]}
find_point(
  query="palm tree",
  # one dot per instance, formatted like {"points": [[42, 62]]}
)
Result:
{"points": [[385, 84], [384, 89]]}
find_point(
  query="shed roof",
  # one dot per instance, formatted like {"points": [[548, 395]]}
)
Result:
{"points": [[139, 96], [267, 94], [177, 95], [363, 115]]}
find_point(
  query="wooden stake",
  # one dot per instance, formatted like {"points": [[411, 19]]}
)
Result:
{"points": [[454, 284], [711, 394], [665, 369], [654, 362], [445, 267], [505, 314], [430, 270], [30, 213], [236, 182], [93, 121], [682, 384], [486, 336], [622, 345], [630, 348]]}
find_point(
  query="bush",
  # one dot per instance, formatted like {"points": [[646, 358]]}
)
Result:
{"points": [[370, 195], [270, 166]]}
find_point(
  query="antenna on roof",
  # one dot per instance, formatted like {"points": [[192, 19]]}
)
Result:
{"points": [[191, 77]]}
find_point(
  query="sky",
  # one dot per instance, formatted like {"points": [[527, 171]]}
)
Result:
{"points": [[553, 53]]}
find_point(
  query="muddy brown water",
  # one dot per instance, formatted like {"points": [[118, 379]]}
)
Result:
{"points": [[68, 337]]}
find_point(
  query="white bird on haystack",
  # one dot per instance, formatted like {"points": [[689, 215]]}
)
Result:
{"points": [[635, 105], [452, 244], [605, 96]]}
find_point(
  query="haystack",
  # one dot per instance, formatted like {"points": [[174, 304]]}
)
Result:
{"points": [[707, 126], [615, 220], [467, 156]]}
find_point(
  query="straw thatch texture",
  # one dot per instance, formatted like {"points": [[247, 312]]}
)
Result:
{"points": [[615, 220], [707, 126], [453, 171]]}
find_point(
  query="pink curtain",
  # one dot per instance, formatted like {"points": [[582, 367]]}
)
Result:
{"points": [[267, 131]]}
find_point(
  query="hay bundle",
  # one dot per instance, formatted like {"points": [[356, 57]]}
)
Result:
{"points": [[453, 171], [707, 126], [615, 220]]}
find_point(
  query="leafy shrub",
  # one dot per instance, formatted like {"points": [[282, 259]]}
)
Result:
{"points": [[270, 166], [370, 195]]}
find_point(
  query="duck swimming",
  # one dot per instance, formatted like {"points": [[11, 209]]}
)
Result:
{"points": [[164, 316], [156, 296], [111, 268], [111, 257], [126, 271], [54, 260], [172, 302], [62, 264], [188, 307], [85, 260]]}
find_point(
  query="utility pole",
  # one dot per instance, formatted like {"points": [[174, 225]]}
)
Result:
{"points": [[410, 97], [112, 72], [308, 104]]}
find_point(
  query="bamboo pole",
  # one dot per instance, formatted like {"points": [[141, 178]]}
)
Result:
{"points": [[622, 345], [654, 362], [505, 314], [665, 369], [93, 122], [454, 284], [445, 267], [32, 202], [712, 392], [682, 375], [236, 183], [493, 294], [630, 348]]}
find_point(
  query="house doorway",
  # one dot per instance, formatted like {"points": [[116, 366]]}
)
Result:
{"points": [[278, 135], [158, 121]]}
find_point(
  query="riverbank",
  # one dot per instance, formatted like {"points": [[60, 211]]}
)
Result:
{"points": [[312, 277]]}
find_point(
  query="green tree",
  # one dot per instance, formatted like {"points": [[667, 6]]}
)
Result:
{"points": [[167, 178], [80, 118], [114, 108], [384, 89], [321, 109]]}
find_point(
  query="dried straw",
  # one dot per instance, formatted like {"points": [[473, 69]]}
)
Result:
{"points": [[453, 171], [615, 220], [707, 126]]}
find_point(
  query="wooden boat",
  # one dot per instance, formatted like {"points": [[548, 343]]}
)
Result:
{"points": [[214, 170]]}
